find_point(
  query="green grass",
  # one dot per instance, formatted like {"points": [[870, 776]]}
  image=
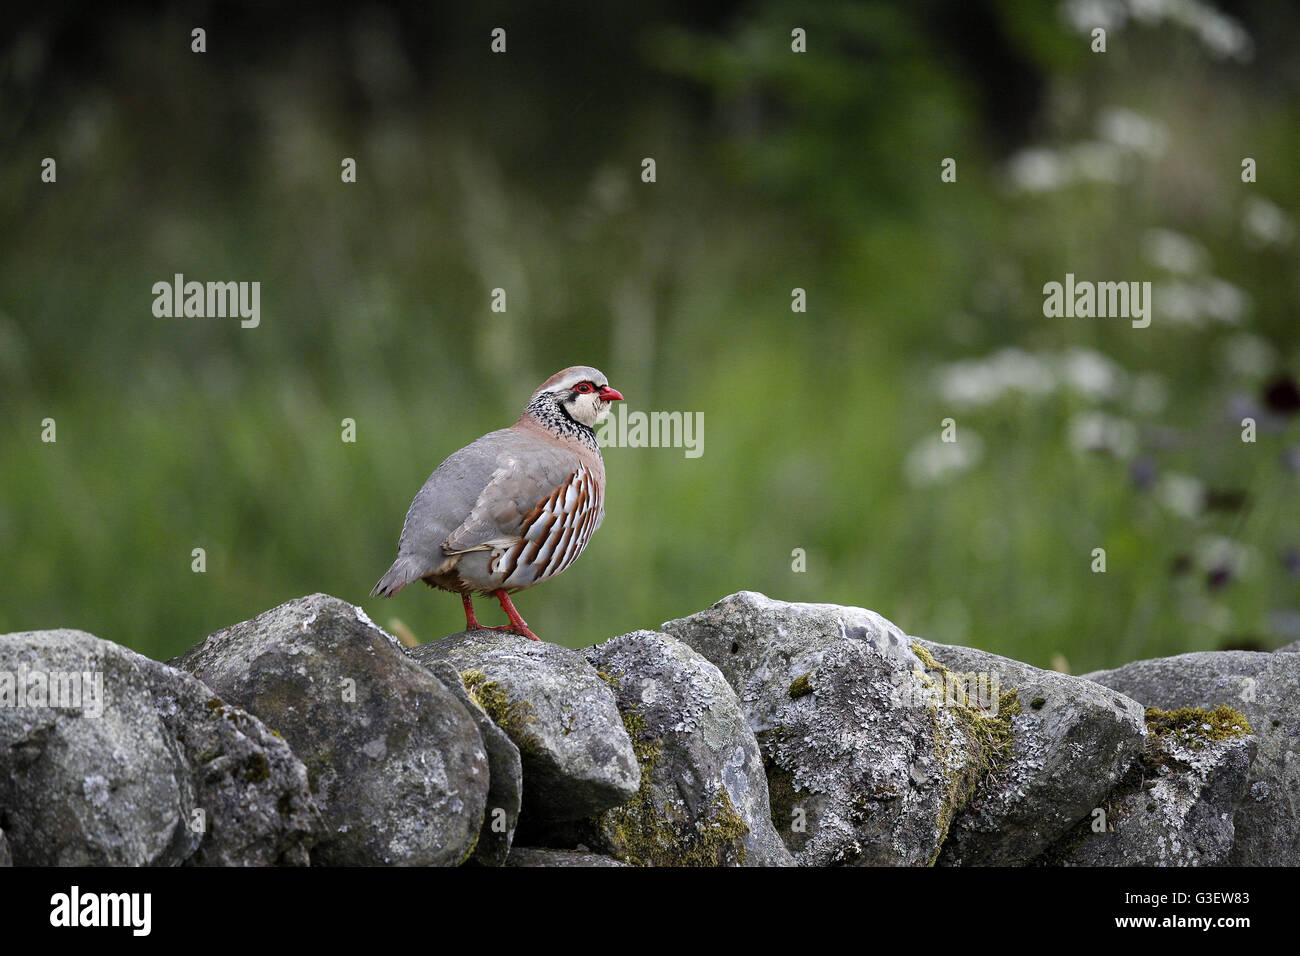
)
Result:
{"points": [[175, 434]]}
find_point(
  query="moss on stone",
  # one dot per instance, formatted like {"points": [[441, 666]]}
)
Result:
{"points": [[801, 686], [1190, 727], [235, 715], [988, 737], [642, 833], [1198, 726], [513, 717], [927, 659], [1194, 727], [784, 795], [473, 845], [727, 837], [256, 768]]}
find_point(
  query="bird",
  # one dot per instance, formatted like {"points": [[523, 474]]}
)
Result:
{"points": [[515, 507]]}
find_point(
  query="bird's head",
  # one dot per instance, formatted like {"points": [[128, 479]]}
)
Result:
{"points": [[579, 393]]}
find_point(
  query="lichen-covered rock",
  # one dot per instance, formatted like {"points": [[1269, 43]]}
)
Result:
{"points": [[5, 858], [531, 856], [864, 763], [703, 795], [395, 762], [1176, 806], [252, 791], [88, 774], [505, 780], [1072, 741], [1265, 687], [577, 757]]}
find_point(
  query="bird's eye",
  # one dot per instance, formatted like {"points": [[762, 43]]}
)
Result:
{"points": [[584, 388]]}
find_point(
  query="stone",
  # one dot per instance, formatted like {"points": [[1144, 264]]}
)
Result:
{"points": [[533, 856], [257, 807], [395, 763], [96, 781], [863, 765], [703, 795], [505, 774], [1265, 687], [1176, 807], [1071, 743], [577, 758]]}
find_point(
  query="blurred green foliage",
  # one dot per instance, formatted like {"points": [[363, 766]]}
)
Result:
{"points": [[775, 171]]}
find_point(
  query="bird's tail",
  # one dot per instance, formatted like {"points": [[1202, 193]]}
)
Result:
{"points": [[405, 569]]}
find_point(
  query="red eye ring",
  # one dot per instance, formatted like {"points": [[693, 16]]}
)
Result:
{"points": [[585, 388]]}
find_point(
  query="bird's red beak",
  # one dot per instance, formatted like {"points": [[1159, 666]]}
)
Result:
{"points": [[608, 394]]}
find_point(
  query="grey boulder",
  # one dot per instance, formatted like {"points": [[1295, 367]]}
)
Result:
{"points": [[1265, 687], [395, 762], [1176, 808], [577, 758], [505, 779], [88, 774], [252, 805], [1072, 742], [703, 795], [530, 856], [862, 766]]}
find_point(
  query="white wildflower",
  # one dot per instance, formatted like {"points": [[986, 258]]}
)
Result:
{"points": [[1224, 301], [932, 460], [1037, 170], [977, 382], [1099, 432], [1265, 224], [1215, 551], [1090, 373], [1133, 131], [1174, 251], [1085, 15], [1181, 494]]}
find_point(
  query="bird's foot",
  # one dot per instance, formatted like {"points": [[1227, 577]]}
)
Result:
{"points": [[521, 629], [517, 624]]}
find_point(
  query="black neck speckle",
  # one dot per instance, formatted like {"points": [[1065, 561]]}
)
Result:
{"points": [[550, 412]]}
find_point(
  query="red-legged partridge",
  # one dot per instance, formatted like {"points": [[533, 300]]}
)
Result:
{"points": [[515, 507]]}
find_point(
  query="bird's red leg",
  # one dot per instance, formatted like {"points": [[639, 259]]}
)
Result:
{"points": [[517, 623], [471, 622]]}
